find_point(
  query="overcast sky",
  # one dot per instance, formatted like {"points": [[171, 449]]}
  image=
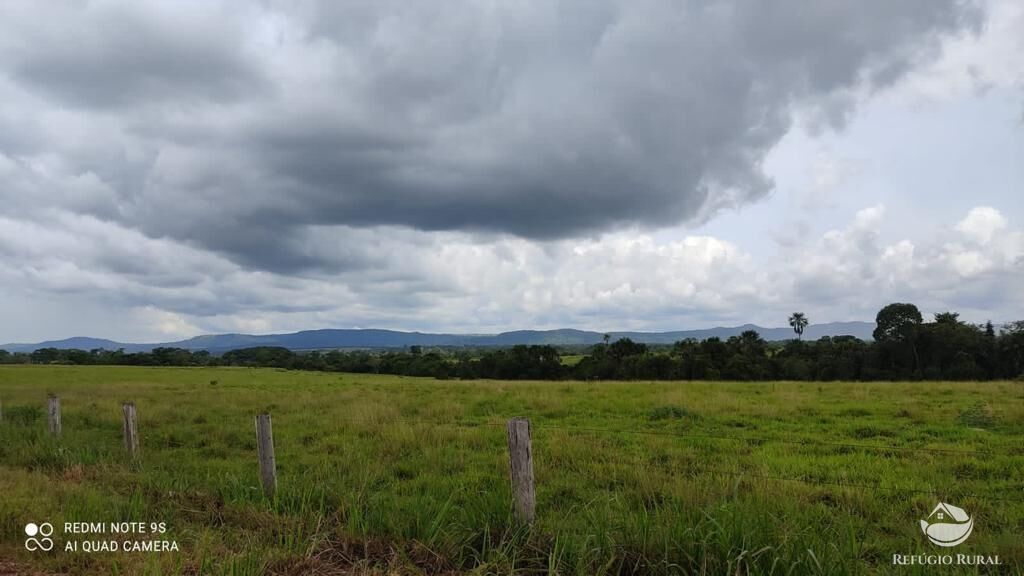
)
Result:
{"points": [[175, 168]]}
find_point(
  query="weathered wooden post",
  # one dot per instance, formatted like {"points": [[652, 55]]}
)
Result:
{"points": [[265, 451], [131, 432], [1, 410], [53, 410], [520, 453]]}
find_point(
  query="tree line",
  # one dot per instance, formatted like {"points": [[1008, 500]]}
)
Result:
{"points": [[904, 348]]}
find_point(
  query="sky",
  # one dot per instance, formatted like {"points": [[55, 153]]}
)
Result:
{"points": [[169, 169]]}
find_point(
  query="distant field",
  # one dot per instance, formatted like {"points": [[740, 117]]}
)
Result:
{"points": [[572, 359], [384, 474]]}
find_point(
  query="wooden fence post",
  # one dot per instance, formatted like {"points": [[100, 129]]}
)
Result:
{"points": [[130, 427], [53, 410], [265, 450], [1, 410], [520, 455]]}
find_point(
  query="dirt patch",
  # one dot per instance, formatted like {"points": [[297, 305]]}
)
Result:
{"points": [[8, 568]]}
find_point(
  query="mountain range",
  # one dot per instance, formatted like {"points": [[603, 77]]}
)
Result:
{"points": [[371, 338]]}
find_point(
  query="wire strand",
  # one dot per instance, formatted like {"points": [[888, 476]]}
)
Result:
{"points": [[848, 485], [690, 436], [735, 473]]}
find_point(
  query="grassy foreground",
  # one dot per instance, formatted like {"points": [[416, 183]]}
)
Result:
{"points": [[384, 474]]}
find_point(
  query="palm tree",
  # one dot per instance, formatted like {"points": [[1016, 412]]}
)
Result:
{"points": [[798, 321]]}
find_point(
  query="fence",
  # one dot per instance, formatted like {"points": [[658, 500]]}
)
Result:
{"points": [[520, 453]]}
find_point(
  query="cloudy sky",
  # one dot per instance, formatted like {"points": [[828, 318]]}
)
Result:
{"points": [[175, 168]]}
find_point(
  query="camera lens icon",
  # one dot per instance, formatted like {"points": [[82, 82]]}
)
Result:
{"points": [[43, 531]]}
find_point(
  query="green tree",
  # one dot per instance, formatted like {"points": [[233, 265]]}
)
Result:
{"points": [[624, 347], [1012, 349], [798, 321], [952, 349], [751, 343], [898, 325], [897, 322]]}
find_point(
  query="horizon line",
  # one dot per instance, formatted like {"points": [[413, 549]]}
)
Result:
{"points": [[407, 331]]}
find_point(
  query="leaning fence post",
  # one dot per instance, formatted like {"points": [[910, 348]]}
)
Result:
{"points": [[53, 409], [520, 455], [265, 451], [131, 433]]}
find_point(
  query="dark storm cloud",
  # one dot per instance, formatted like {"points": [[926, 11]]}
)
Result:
{"points": [[243, 126], [112, 56]]}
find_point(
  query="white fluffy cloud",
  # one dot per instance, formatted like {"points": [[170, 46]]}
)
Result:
{"points": [[978, 269], [981, 224], [457, 281]]}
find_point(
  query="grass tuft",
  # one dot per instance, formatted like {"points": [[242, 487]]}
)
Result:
{"points": [[671, 412]]}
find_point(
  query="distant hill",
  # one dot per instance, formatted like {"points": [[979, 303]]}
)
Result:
{"points": [[861, 330], [329, 339], [78, 343]]}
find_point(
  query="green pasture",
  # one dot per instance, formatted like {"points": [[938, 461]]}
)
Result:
{"points": [[572, 359], [385, 474]]}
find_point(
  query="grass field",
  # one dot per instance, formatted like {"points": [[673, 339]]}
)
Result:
{"points": [[383, 474], [572, 359]]}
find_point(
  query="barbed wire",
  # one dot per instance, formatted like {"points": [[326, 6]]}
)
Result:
{"points": [[776, 440], [692, 436], [707, 471], [854, 485]]}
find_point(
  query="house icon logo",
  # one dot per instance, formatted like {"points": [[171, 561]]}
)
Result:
{"points": [[947, 525]]}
